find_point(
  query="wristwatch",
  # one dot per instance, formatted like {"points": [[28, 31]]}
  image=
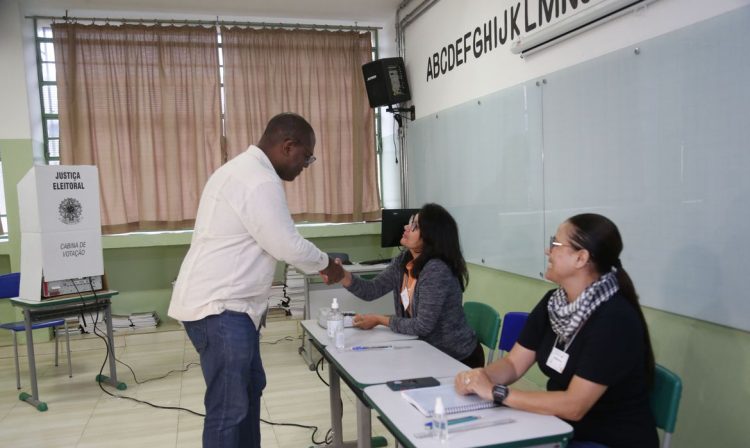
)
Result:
{"points": [[499, 393]]}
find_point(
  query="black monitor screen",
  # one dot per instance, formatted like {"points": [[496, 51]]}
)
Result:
{"points": [[392, 227]]}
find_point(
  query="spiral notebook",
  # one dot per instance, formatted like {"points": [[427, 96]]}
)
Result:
{"points": [[424, 400]]}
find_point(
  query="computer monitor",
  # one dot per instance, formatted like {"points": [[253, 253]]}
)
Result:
{"points": [[392, 226]]}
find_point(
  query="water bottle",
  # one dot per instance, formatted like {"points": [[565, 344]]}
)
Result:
{"points": [[339, 337], [335, 320], [440, 422]]}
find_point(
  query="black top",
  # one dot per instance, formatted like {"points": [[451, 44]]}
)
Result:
{"points": [[609, 350]]}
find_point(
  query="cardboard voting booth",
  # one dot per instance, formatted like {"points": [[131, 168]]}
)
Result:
{"points": [[61, 235]]}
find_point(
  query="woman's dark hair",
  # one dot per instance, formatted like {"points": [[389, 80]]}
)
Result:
{"points": [[439, 234], [601, 238]]}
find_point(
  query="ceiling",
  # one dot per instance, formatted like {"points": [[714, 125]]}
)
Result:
{"points": [[364, 11]]}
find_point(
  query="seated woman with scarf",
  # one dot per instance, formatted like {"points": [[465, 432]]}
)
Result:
{"points": [[589, 337]]}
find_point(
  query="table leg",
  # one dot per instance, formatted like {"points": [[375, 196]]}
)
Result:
{"points": [[364, 425], [112, 379], [334, 395], [32, 399], [305, 350]]}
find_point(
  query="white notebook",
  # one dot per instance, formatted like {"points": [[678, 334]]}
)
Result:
{"points": [[424, 400]]}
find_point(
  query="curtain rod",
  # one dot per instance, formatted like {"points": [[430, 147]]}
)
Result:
{"points": [[216, 22]]}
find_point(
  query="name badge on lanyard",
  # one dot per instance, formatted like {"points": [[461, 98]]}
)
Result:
{"points": [[557, 360], [405, 298]]}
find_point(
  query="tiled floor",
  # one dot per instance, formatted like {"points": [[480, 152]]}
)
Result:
{"points": [[81, 415]]}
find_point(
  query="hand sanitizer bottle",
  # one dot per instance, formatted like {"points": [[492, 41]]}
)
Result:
{"points": [[335, 320], [439, 422]]}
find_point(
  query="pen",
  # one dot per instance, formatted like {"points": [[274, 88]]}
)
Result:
{"points": [[358, 348]]}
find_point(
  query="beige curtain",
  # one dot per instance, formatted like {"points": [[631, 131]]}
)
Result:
{"points": [[142, 104], [318, 75]]}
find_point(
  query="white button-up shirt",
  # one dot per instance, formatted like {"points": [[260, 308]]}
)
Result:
{"points": [[243, 226]]}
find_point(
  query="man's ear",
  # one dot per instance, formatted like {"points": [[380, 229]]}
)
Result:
{"points": [[286, 146]]}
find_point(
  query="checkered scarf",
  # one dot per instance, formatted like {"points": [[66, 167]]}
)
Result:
{"points": [[566, 318]]}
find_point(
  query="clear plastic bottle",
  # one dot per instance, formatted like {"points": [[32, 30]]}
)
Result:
{"points": [[339, 339], [440, 422], [335, 320]]}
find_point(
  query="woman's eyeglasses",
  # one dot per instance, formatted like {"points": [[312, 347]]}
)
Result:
{"points": [[553, 242], [413, 224]]}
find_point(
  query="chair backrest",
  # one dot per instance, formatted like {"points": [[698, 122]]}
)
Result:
{"points": [[665, 400], [513, 323], [485, 322], [9, 284]]}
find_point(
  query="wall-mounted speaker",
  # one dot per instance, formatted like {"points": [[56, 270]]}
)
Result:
{"points": [[385, 80]]}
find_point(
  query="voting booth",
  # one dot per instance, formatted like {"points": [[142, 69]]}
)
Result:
{"points": [[61, 244]]}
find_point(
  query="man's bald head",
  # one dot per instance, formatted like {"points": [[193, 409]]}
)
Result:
{"points": [[287, 125], [289, 142]]}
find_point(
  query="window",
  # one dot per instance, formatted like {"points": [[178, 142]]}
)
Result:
{"points": [[45, 56], [48, 95]]}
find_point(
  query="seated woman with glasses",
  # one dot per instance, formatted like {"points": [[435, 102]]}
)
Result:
{"points": [[427, 279], [589, 337]]}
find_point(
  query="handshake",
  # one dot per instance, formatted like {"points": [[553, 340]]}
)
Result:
{"points": [[335, 273]]}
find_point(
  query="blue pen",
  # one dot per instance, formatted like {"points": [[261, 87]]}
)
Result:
{"points": [[358, 348]]}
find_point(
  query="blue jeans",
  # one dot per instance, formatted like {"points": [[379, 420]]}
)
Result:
{"points": [[229, 349]]}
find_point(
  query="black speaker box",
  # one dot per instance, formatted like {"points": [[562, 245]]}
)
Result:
{"points": [[385, 80]]}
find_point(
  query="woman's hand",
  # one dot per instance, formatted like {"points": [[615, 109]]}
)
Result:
{"points": [[368, 321], [474, 381]]}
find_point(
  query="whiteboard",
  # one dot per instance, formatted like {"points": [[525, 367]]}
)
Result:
{"points": [[481, 161], [657, 139]]}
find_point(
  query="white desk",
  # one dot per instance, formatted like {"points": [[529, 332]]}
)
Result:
{"points": [[319, 295], [37, 311], [527, 429], [353, 336], [407, 359]]}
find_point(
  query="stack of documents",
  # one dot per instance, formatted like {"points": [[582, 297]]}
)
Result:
{"points": [[74, 327], [120, 323], [144, 320], [295, 291]]}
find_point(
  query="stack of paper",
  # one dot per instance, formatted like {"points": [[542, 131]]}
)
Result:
{"points": [[74, 327], [144, 320], [120, 323], [295, 291]]}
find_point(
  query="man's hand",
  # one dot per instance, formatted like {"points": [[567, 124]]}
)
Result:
{"points": [[333, 273]]}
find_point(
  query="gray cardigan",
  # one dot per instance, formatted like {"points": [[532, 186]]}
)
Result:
{"points": [[437, 309]]}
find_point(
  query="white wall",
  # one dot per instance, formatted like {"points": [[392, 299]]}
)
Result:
{"points": [[494, 70], [15, 111]]}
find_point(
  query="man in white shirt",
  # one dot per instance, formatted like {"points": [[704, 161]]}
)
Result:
{"points": [[242, 228]]}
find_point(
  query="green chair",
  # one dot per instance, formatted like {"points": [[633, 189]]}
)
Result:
{"points": [[485, 322], [665, 401]]}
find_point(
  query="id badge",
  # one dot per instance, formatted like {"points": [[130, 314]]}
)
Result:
{"points": [[405, 298], [557, 360]]}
